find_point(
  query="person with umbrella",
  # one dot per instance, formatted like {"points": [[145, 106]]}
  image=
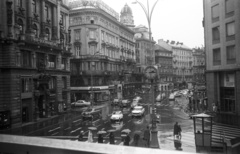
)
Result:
{"points": [[146, 137], [127, 140], [80, 137], [136, 138], [111, 138]]}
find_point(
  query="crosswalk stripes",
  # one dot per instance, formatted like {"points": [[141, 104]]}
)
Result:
{"points": [[223, 131]]}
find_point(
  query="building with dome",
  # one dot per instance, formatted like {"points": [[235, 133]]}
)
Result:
{"points": [[126, 16]]}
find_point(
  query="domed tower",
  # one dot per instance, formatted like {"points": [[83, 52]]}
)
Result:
{"points": [[126, 16]]}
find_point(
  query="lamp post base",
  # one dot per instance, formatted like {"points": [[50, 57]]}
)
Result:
{"points": [[154, 139]]}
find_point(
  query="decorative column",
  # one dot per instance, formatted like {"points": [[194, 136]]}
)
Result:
{"points": [[10, 18], [29, 29], [43, 33], [55, 23]]}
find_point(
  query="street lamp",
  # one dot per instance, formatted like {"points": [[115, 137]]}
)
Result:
{"points": [[148, 14], [92, 95]]}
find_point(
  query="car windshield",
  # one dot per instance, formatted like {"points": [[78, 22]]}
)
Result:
{"points": [[80, 101], [116, 112], [138, 108]]}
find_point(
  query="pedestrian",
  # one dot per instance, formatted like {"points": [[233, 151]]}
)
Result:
{"points": [[80, 136], [136, 139], [111, 138], [90, 136], [175, 130], [127, 140], [100, 138], [146, 137], [179, 132]]}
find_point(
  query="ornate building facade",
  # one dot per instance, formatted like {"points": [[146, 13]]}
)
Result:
{"points": [[163, 59], [34, 61], [199, 67], [103, 53]]}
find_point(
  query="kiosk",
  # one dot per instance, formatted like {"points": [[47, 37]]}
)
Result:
{"points": [[202, 131]]}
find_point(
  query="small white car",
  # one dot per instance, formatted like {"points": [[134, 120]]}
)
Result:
{"points": [[80, 103], [138, 111], [116, 115]]}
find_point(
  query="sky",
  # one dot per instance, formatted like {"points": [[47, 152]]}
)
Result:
{"points": [[177, 20]]}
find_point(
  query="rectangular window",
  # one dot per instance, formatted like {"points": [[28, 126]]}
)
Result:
{"points": [[19, 3], [231, 54], [25, 59], [63, 65], [92, 34], [217, 56], [215, 13], [52, 61], [230, 29], [62, 19], [52, 84], [26, 85], [46, 12], [229, 6], [102, 35], [77, 34], [34, 6], [77, 50], [215, 35], [64, 80]]}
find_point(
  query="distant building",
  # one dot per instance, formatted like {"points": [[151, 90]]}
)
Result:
{"points": [[222, 36], [103, 52], [126, 16], [182, 64], [163, 59], [34, 61], [199, 67]]}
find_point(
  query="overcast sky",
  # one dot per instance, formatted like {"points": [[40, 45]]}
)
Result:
{"points": [[178, 20]]}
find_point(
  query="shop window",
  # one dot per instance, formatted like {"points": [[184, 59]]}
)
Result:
{"points": [[26, 85], [25, 58], [5, 120]]}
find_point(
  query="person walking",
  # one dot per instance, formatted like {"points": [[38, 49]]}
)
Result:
{"points": [[146, 137], [100, 138], [136, 139], [127, 140], [90, 136], [112, 138], [175, 130], [80, 136]]}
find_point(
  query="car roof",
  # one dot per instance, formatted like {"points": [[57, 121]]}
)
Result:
{"points": [[138, 107]]}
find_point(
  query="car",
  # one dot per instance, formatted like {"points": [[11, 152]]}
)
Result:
{"points": [[116, 101], [116, 116], [138, 111], [125, 103], [91, 114], [80, 103]]}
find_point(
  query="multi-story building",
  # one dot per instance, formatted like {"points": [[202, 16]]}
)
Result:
{"points": [[163, 59], [182, 64], [199, 67], [103, 52], [221, 24], [34, 60]]}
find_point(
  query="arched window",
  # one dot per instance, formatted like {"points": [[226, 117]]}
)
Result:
{"points": [[48, 34], [20, 24], [35, 30]]}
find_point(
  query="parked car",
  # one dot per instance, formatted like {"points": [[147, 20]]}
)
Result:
{"points": [[116, 101], [138, 111], [125, 103], [80, 103], [91, 114], [116, 116]]}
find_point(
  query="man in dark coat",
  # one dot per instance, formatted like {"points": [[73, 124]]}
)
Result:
{"points": [[175, 130], [127, 140], [146, 137], [100, 138], [136, 139], [111, 138]]}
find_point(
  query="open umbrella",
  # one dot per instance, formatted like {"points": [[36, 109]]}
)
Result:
{"points": [[92, 128], [111, 130], [126, 130], [101, 132]]}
